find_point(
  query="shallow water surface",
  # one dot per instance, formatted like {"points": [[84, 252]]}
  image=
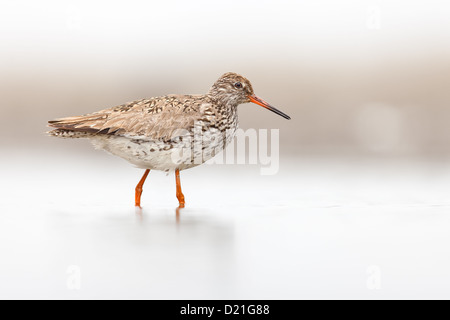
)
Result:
{"points": [[317, 229]]}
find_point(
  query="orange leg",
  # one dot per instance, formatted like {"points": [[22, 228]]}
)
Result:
{"points": [[180, 195], [137, 196]]}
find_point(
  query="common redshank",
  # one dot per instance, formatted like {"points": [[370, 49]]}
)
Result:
{"points": [[162, 133]]}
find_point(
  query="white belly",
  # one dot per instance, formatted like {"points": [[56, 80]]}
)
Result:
{"points": [[156, 155]]}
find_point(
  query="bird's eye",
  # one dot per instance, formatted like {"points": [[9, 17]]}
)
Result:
{"points": [[238, 85]]}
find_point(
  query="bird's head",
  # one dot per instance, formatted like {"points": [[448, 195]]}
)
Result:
{"points": [[234, 89]]}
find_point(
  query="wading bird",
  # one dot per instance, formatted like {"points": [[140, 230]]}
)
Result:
{"points": [[160, 133]]}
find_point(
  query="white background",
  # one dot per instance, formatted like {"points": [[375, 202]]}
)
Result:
{"points": [[359, 208]]}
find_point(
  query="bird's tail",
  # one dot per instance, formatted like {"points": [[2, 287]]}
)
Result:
{"points": [[75, 127], [69, 134]]}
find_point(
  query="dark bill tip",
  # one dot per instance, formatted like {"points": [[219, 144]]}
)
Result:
{"points": [[264, 104]]}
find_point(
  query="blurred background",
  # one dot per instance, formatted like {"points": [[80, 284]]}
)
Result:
{"points": [[356, 76], [366, 84]]}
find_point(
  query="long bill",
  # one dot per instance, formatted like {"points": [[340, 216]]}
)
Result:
{"points": [[264, 104]]}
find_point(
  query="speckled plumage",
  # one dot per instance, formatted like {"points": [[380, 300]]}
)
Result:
{"points": [[145, 131], [172, 132]]}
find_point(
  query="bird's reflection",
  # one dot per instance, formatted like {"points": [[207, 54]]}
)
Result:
{"points": [[177, 214], [139, 214]]}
